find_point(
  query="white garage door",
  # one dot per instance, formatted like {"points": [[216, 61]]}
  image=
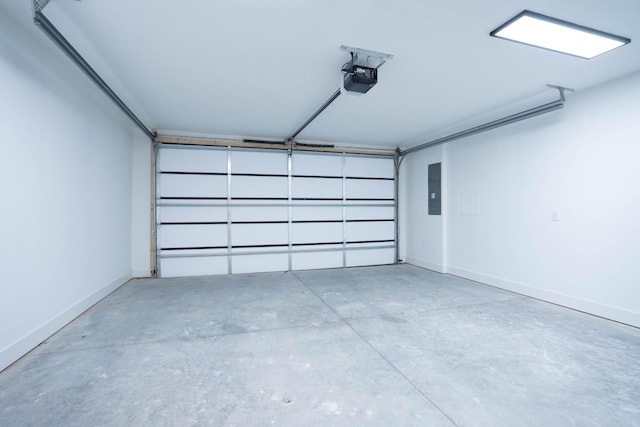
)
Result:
{"points": [[226, 210]]}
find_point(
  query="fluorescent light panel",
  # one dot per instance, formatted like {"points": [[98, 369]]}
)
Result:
{"points": [[549, 33]]}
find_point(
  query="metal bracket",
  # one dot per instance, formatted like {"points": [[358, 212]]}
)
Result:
{"points": [[561, 89], [38, 5], [290, 142], [382, 57]]}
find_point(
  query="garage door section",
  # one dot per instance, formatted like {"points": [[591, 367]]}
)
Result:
{"points": [[227, 211]]}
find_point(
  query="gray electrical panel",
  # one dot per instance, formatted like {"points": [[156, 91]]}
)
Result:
{"points": [[434, 196]]}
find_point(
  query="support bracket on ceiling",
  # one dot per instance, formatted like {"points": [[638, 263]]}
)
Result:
{"points": [[366, 55], [562, 90], [38, 5]]}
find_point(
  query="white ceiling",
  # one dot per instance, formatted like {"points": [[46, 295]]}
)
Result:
{"points": [[259, 69]]}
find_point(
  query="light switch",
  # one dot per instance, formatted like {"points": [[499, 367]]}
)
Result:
{"points": [[433, 196], [555, 216]]}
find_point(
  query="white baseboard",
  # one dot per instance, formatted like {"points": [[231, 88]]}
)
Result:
{"points": [[602, 310], [19, 348], [425, 264]]}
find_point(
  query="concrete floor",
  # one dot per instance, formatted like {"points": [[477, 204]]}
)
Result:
{"points": [[383, 346]]}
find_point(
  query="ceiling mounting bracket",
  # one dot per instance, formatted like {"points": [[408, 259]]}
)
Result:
{"points": [[366, 55], [561, 89], [38, 5]]}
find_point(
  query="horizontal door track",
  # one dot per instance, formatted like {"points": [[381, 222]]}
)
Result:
{"points": [[52, 32], [513, 118]]}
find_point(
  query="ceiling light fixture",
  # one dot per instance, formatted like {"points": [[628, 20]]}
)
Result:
{"points": [[554, 34]]}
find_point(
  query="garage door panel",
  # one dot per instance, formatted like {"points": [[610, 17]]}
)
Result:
{"points": [[368, 245], [316, 232], [366, 231], [370, 212], [317, 164], [197, 266], [259, 187], [314, 247], [259, 263], [316, 260], [192, 214], [259, 234], [316, 188], [369, 167], [259, 162], [275, 218], [194, 253], [364, 257], [185, 186], [192, 160], [316, 213], [373, 189], [257, 214], [193, 236]]}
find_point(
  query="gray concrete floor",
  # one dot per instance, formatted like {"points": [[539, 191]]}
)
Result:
{"points": [[384, 346]]}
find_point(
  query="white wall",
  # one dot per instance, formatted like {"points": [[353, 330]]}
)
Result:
{"points": [[65, 185], [422, 237], [581, 162], [140, 206]]}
